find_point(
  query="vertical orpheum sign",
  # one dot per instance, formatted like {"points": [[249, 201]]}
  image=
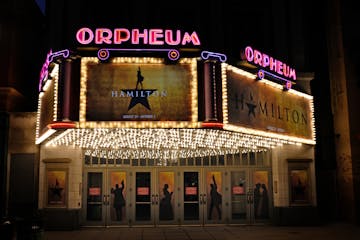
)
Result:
{"points": [[50, 57], [44, 73], [48, 94], [47, 105], [278, 69]]}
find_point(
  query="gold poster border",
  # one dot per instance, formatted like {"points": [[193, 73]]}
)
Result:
{"points": [[193, 123]]}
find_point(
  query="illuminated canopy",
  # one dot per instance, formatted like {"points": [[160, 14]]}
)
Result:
{"points": [[174, 138], [174, 143]]}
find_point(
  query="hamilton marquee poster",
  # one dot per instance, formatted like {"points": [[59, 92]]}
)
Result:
{"points": [[254, 104], [138, 91]]}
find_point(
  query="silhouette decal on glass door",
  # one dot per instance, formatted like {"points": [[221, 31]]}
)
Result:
{"points": [[214, 195], [166, 183], [118, 192], [261, 194]]}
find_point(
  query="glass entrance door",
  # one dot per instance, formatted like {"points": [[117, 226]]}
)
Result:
{"points": [[250, 196], [168, 196], [95, 200], [117, 197], [215, 196], [240, 198], [167, 210], [144, 198], [192, 198], [156, 197], [105, 198], [261, 196], [202, 196]]}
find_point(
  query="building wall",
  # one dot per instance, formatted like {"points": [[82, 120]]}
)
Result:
{"points": [[65, 158], [62, 157], [22, 165], [280, 170], [342, 46], [22, 132], [287, 212], [351, 40]]}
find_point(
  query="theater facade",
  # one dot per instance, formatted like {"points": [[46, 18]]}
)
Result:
{"points": [[163, 132]]}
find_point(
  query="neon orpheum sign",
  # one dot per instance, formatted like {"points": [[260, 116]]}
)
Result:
{"points": [[267, 62], [136, 36]]}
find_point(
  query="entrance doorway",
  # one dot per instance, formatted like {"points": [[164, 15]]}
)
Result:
{"points": [[106, 194], [251, 196], [173, 196]]}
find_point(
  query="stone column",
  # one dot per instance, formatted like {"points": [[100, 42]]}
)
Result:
{"points": [[340, 108]]}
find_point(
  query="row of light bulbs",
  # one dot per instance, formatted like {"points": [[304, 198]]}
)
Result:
{"points": [[168, 135], [162, 154], [153, 138]]}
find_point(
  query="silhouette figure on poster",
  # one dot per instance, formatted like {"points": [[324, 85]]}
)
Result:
{"points": [[140, 79], [215, 199], [166, 210], [119, 201], [299, 191], [264, 202], [56, 192], [256, 198], [261, 201]]}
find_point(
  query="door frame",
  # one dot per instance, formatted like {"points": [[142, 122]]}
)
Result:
{"points": [[178, 190], [248, 198], [204, 196], [162, 177], [107, 198], [95, 191], [266, 197]]}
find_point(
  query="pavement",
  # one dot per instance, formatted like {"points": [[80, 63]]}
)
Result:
{"points": [[219, 232]]}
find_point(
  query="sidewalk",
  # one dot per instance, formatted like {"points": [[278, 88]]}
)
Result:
{"points": [[326, 232]]}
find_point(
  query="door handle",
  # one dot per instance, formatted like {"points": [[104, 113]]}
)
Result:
{"points": [[153, 199], [108, 199], [250, 199], [203, 198]]}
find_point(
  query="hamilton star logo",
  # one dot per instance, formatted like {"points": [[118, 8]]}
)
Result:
{"points": [[249, 103], [56, 190], [251, 106], [139, 94]]}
